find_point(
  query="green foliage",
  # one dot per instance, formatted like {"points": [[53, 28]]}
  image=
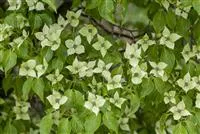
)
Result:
{"points": [[100, 67]]}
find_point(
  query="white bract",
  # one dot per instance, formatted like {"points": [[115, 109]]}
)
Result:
{"points": [[35, 5], [186, 83], [103, 68], [94, 103], [55, 78], [73, 18], [74, 47], [102, 45], [124, 124], [88, 31], [133, 54], [87, 70], [197, 102], [145, 42], [14, 4], [137, 75], [168, 38], [187, 53], [5, 31], [41, 68], [182, 10], [28, 68], [21, 110], [196, 80], [179, 111], [158, 69], [114, 82], [170, 97], [20, 40], [56, 99], [117, 101]]}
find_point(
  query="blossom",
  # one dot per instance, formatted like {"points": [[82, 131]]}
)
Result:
{"points": [[117, 101], [41, 68], [94, 103], [55, 78], [35, 5], [62, 22], [74, 47], [56, 99], [182, 10], [124, 124], [137, 75], [77, 66], [88, 31], [103, 68], [145, 42], [5, 31], [73, 18], [187, 52], [186, 83], [28, 68], [169, 97], [168, 38], [132, 53], [114, 82], [21, 110], [197, 102], [14, 4], [196, 80], [158, 69], [88, 69], [179, 111], [102, 45], [19, 40]]}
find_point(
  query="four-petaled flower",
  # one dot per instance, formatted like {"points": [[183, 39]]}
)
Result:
{"points": [[117, 101], [114, 82], [88, 31], [35, 5], [197, 82], [73, 18], [14, 4], [87, 70], [158, 69], [28, 68], [5, 31], [124, 124], [170, 97], [145, 42], [21, 110], [41, 68], [94, 103], [186, 83], [168, 38], [132, 53], [137, 75], [103, 68], [187, 53], [179, 111], [55, 78], [182, 10], [102, 45], [56, 99], [74, 47]]}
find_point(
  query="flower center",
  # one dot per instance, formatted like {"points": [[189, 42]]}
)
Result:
{"points": [[136, 74]]}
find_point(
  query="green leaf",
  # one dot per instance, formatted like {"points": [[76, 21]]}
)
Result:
{"points": [[10, 129], [106, 10], [38, 88], [147, 87], [110, 121], [91, 4], [64, 126], [46, 124], [10, 60], [168, 57], [191, 127], [135, 102], [51, 3], [92, 123], [77, 124], [159, 21], [35, 21], [27, 88], [161, 86], [171, 19], [76, 3], [75, 99], [196, 5], [179, 129]]}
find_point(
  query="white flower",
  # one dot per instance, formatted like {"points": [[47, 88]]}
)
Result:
{"points": [[73, 18], [14, 4], [28, 68], [21, 110], [103, 68], [56, 99], [179, 111], [114, 82], [169, 97], [197, 102], [88, 31], [94, 103], [124, 124], [182, 10], [168, 38], [137, 75], [158, 69], [55, 78], [117, 101], [35, 5], [41, 68], [88, 69], [145, 42], [187, 53], [186, 83], [197, 82], [132, 53], [74, 47]]}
